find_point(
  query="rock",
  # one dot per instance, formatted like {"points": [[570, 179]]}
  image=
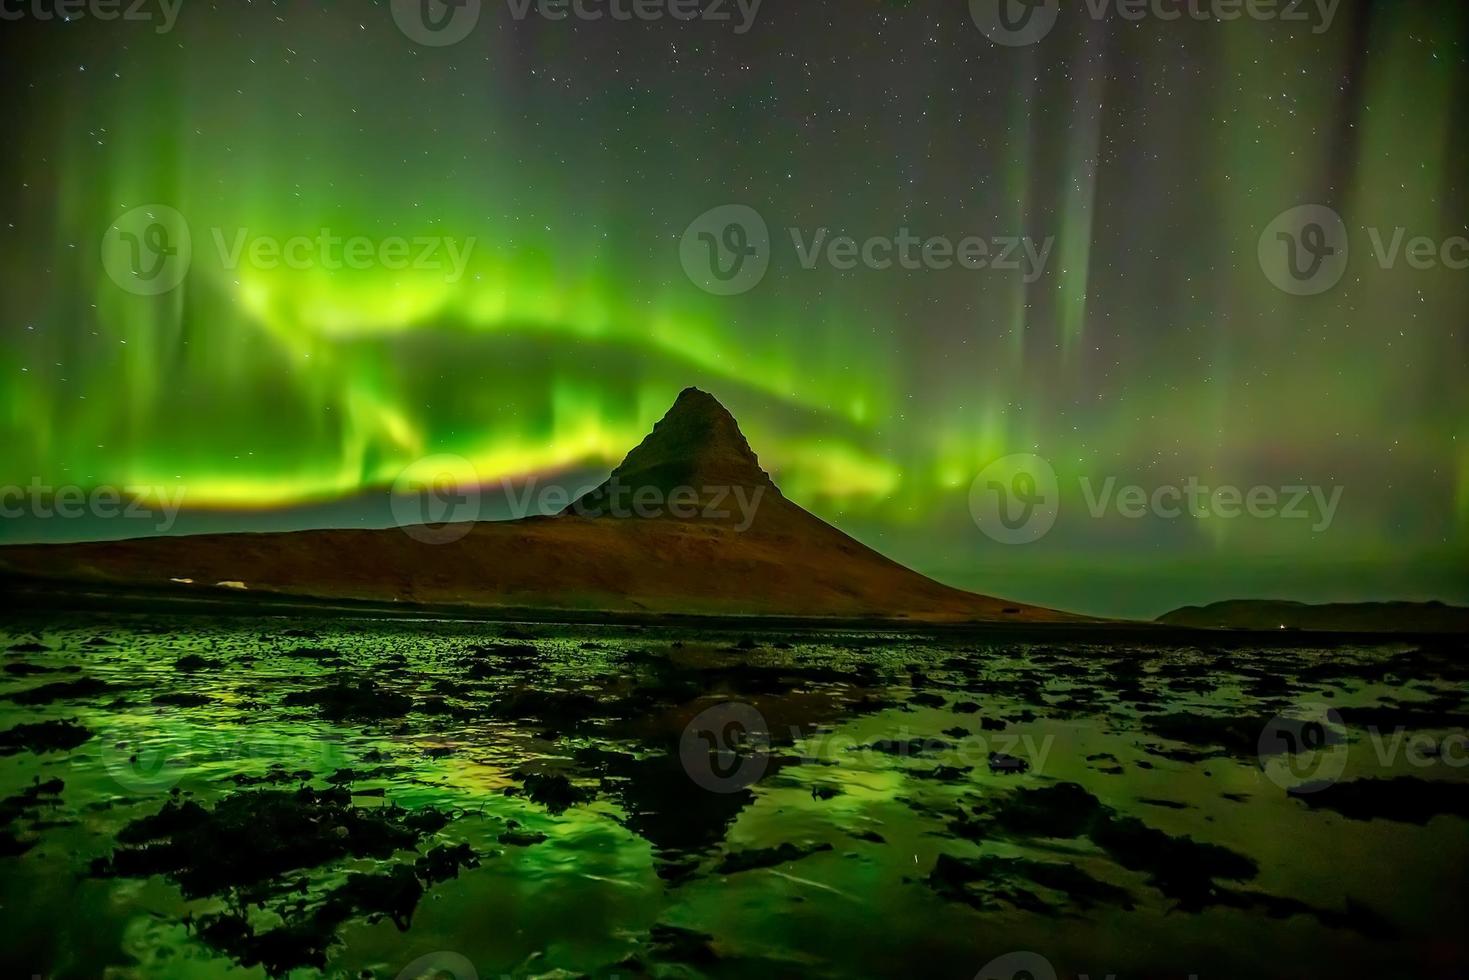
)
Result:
{"points": [[43, 736], [766, 857], [553, 791], [363, 700], [1000, 762]]}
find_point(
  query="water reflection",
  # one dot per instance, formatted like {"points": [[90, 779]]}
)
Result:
{"points": [[225, 799]]}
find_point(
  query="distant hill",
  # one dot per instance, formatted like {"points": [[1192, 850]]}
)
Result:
{"points": [[701, 553], [1363, 617]]}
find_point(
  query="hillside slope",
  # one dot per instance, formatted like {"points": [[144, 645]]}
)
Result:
{"points": [[694, 549]]}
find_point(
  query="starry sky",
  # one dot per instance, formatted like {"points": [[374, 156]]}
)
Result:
{"points": [[1151, 348]]}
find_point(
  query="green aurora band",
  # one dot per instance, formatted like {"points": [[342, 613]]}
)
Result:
{"points": [[574, 155]]}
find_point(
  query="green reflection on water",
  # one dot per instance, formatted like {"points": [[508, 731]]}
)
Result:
{"points": [[198, 711]]}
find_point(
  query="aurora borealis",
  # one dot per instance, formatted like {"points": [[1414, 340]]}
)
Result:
{"points": [[574, 154]]}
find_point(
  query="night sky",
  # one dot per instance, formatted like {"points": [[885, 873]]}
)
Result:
{"points": [[1150, 348]]}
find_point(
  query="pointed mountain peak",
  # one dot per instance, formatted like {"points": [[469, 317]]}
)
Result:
{"points": [[696, 426], [696, 446], [697, 400]]}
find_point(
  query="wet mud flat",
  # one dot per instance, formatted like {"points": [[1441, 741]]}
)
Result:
{"points": [[252, 796]]}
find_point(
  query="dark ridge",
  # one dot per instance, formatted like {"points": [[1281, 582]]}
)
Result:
{"points": [[697, 445]]}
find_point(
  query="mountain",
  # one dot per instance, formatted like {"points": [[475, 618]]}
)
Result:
{"points": [[697, 445], [1348, 617], [689, 523]]}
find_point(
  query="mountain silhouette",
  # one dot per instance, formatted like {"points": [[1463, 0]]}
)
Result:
{"points": [[1350, 617], [689, 523], [697, 447]]}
